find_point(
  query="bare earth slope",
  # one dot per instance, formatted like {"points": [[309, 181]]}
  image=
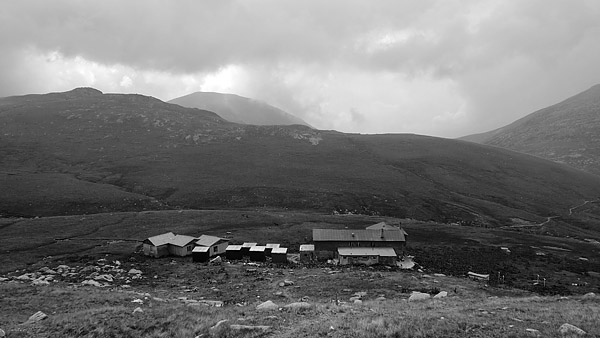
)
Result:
{"points": [[567, 132], [238, 109], [85, 152]]}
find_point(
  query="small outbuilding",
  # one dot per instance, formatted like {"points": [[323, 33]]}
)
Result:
{"points": [[233, 252], [367, 256], [279, 255], [269, 247], [307, 253], [216, 245], [246, 248], [257, 253], [201, 254]]}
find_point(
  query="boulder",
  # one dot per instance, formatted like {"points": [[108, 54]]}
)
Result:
{"points": [[217, 260], [589, 295], [267, 306], [36, 317], [27, 276], [288, 282], [91, 283], [105, 278], [2, 333], [568, 329], [218, 324], [46, 270], [418, 296], [40, 282], [533, 332], [3, 279], [138, 301], [358, 302], [380, 298], [298, 306], [238, 327], [138, 310], [441, 294], [135, 272]]}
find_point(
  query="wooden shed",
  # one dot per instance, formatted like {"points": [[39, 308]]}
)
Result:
{"points": [[233, 252], [367, 256], [279, 255], [246, 248], [307, 253], [217, 245], [269, 247], [257, 253], [201, 254]]}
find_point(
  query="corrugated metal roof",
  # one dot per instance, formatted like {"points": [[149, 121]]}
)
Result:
{"points": [[206, 240], [358, 235], [248, 245], [383, 252], [279, 250], [233, 248], [258, 248], [272, 245], [201, 249], [182, 240], [382, 225], [307, 247], [161, 239]]}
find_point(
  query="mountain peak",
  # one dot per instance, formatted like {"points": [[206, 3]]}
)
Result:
{"points": [[84, 91]]}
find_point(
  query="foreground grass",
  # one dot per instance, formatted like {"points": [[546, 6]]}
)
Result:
{"points": [[91, 312]]}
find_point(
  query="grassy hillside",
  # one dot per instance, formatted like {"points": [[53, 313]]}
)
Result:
{"points": [[567, 132], [238, 109], [130, 152]]}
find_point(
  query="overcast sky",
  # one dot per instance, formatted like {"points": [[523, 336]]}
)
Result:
{"points": [[443, 68]]}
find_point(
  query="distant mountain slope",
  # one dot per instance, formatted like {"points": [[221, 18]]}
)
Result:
{"points": [[84, 151], [567, 132], [238, 109]]}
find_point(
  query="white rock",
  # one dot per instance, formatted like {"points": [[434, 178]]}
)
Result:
{"points": [[380, 299], [589, 295], [40, 282], [442, 294], [288, 282], [534, 332], [298, 305], [568, 329], [106, 278], [91, 283], [63, 267], [26, 276], [267, 306], [36, 317], [46, 270], [138, 301], [3, 279], [218, 324], [238, 327], [418, 296], [358, 302], [135, 272], [217, 260], [138, 310]]}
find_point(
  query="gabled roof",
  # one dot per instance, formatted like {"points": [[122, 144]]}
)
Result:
{"points": [[182, 240], [161, 239], [382, 225], [358, 251], [358, 235], [206, 240]]}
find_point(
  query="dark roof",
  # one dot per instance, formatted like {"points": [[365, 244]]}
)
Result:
{"points": [[382, 225], [182, 240], [358, 251], [358, 235], [161, 239]]}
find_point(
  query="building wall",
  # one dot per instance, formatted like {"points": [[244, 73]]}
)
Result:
{"points": [[279, 258], [154, 251], [367, 260], [218, 249], [321, 246], [181, 251]]}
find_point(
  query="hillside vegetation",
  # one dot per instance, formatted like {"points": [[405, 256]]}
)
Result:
{"points": [[86, 152]]}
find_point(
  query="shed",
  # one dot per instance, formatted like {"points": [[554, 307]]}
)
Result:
{"points": [[367, 256], [257, 253], [246, 248], [182, 245], [217, 245], [279, 255], [269, 247], [233, 252], [307, 252], [158, 246], [201, 254]]}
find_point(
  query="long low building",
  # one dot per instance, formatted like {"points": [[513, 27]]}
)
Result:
{"points": [[367, 256], [169, 244], [327, 241]]}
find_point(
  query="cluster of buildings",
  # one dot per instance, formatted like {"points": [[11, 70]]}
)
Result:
{"points": [[380, 243]]}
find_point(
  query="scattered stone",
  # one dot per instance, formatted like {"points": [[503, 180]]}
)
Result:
{"points": [[442, 294], [355, 298], [138, 301], [46, 270], [135, 272], [267, 306], [26, 276], [418, 296], [439, 275], [138, 310], [40, 282], [217, 260], [91, 283], [215, 303], [106, 278], [3, 279], [288, 282], [298, 306], [360, 294], [589, 295], [358, 302], [568, 329], [238, 327], [218, 324], [533, 332], [36, 317], [157, 299]]}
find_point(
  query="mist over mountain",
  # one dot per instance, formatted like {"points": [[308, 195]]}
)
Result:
{"points": [[84, 152], [567, 132], [238, 109]]}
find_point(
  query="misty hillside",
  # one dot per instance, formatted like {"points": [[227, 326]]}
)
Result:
{"points": [[84, 152], [238, 109], [567, 132]]}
